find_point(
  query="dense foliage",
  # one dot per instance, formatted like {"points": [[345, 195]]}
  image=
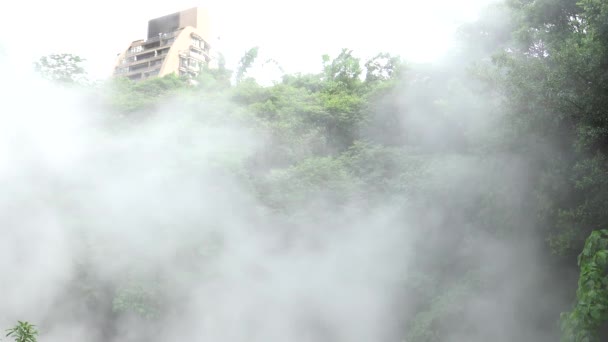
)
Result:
{"points": [[591, 310]]}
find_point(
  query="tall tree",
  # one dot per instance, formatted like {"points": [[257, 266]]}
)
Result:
{"points": [[63, 68], [245, 63]]}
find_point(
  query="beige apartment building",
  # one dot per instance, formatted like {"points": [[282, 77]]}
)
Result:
{"points": [[176, 43]]}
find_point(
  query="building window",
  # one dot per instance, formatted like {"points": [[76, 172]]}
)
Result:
{"points": [[196, 43], [136, 49], [151, 73], [196, 53], [128, 60], [157, 62]]}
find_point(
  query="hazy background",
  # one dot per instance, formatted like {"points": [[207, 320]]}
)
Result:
{"points": [[295, 34], [92, 200]]}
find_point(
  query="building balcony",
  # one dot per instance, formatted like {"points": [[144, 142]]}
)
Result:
{"points": [[201, 56], [162, 36], [148, 70], [139, 67], [154, 59], [148, 45]]}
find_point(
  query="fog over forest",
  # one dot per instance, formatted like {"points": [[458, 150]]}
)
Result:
{"points": [[376, 199]]}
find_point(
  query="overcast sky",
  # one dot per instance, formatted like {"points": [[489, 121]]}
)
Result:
{"points": [[295, 34]]}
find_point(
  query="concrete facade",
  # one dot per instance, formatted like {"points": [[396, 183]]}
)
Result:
{"points": [[176, 43]]}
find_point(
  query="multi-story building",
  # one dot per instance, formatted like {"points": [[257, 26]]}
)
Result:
{"points": [[176, 43]]}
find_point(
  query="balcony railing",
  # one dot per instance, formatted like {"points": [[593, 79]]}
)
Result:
{"points": [[201, 56], [126, 63], [166, 37], [161, 36], [142, 70]]}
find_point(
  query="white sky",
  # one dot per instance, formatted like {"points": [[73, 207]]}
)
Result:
{"points": [[295, 34]]}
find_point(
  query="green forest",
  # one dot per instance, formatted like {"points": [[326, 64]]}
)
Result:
{"points": [[461, 200]]}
